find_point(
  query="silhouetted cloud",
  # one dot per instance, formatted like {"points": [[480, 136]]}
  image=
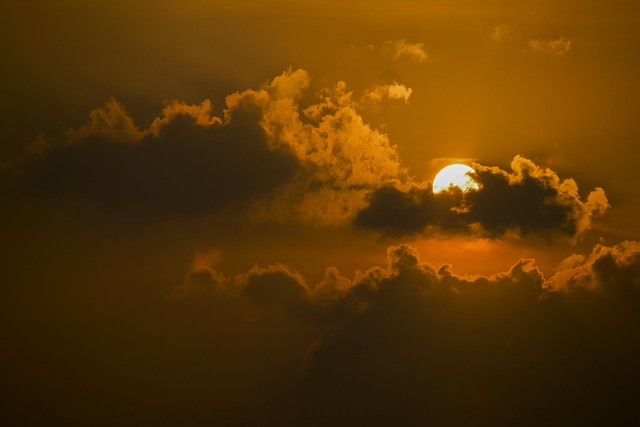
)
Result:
{"points": [[400, 343], [316, 161], [411, 343], [607, 269], [529, 200], [276, 286], [396, 212], [179, 168], [283, 160], [201, 282], [440, 348]]}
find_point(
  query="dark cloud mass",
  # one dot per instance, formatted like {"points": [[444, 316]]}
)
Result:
{"points": [[408, 344], [319, 163], [180, 166], [316, 160], [436, 348], [529, 200], [402, 344]]}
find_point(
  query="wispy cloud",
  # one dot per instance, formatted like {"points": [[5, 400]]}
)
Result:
{"points": [[558, 47], [404, 49], [500, 33], [394, 91]]}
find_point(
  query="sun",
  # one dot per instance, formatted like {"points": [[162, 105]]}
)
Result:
{"points": [[456, 175]]}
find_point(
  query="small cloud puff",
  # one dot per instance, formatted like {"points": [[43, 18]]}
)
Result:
{"points": [[399, 50], [500, 33], [558, 47], [404, 49], [394, 91]]}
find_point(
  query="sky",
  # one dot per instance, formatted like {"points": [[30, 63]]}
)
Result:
{"points": [[221, 213]]}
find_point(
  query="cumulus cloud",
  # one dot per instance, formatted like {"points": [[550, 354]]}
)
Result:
{"points": [[417, 343], [200, 282], [276, 286], [280, 285], [402, 342], [468, 350], [111, 122], [316, 161], [186, 163], [608, 268], [558, 47], [342, 156], [330, 137], [201, 114], [282, 159], [529, 200]]}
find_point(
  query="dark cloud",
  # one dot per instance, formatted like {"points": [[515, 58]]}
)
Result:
{"points": [[433, 347], [200, 282], [529, 200], [181, 167], [403, 343], [276, 287], [317, 160], [607, 269], [396, 212], [411, 344]]}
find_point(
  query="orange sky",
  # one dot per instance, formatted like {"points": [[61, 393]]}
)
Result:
{"points": [[221, 212]]}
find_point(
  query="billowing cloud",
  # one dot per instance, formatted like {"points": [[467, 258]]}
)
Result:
{"points": [[201, 282], [403, 340], [286, 159], [529, 200], [329, 137], [607, 269], [316, 161], [342, 156], [459, 347], [186, 163], [558, 47], [111, 122], [469, 350]]}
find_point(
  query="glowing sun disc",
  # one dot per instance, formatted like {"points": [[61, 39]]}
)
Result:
{"points": [[456, 175]]}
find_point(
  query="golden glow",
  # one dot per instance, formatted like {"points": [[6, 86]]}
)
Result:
{"points": [[456, 175]]}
